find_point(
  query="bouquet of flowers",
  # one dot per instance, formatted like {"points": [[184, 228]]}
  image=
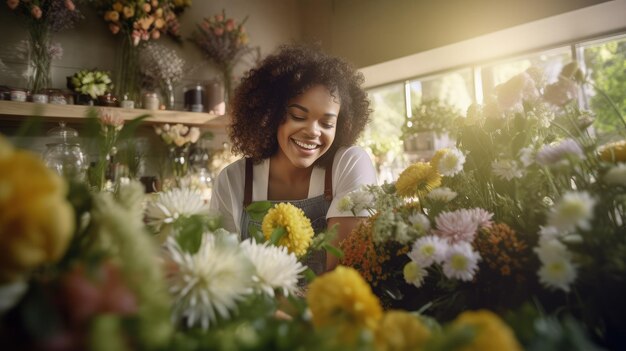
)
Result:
{"points": [[162, 68], [529, 205], [141, 20], [43, 17], [91, 82], [179, 134], [97, 280], [223, 42]]}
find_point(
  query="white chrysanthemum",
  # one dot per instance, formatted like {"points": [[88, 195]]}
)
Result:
{"points": [[172, 204], [526, 156], [549, 232], [210, 282], [345, 204], [428, 250], [414, 274], [616, 175], [506, 169], [276, 268], [550, 249], [362, 199], [575, 209], [443, 194], [451, 162], [461, 262], [554, 154], [420, 222], [558, 274]]}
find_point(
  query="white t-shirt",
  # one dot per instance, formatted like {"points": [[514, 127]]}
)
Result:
{"points": [[352, 168]]}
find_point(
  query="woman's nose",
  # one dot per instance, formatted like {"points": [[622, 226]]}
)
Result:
{"points": [[313, 130]]}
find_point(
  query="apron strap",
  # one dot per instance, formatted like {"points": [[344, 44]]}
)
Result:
{"points": [[247, 190], [328, 183]]}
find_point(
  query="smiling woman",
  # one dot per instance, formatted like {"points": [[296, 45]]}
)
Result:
{"points": [[296, 117]]}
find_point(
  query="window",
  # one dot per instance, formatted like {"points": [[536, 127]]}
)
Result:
{"points": [[604, 63]]}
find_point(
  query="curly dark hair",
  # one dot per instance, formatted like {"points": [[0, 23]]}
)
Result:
{"points": [[259, 103]]}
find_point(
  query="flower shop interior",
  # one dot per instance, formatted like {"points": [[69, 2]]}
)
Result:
{"points": [[497, 132]]}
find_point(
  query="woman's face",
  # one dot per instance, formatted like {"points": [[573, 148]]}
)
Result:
{"points": [[309, 127]]}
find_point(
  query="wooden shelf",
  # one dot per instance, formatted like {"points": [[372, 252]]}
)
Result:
{"points": [[13, 110]]}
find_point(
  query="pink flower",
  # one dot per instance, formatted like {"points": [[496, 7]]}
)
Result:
{"points": [[114, 28], [481, 217], [110, 118], [156, 34], [136, 37], [219, 18], [230, 25], [205, 25], [12, 4], [511, 93], [457, 226], [145, 35], [554, 154], [561, 92], [218, 31], [36, 11], [69, 4]]}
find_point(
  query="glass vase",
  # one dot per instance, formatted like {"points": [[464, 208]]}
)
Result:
{"points": [[39, 57], [179, 159], [127, 81], [227, 80], [167, 93]]}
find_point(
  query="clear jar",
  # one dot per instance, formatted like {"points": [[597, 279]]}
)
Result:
{"points": [[64, 155], [18, 95], [40, 98], [150, 101]]}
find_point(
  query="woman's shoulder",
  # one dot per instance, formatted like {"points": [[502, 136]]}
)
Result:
{"points": [[350, 154], [233, 170]]}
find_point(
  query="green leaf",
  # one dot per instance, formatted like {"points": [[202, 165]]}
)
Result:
{"points": [[333, 250], [190, 233], [255, 233], [130, 126], [277, 234], [258, 210], [309, 275]]}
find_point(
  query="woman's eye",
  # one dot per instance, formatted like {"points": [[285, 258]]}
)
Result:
{"points": [[297, 118], [328, 125]]}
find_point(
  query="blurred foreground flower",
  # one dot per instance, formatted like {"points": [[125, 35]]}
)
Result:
{"points": [[36, 220]]}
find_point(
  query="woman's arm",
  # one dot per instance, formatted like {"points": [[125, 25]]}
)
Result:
{"points": [[344, 228]]}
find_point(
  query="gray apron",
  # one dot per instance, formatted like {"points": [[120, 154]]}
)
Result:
{"points": [[314, 208]]}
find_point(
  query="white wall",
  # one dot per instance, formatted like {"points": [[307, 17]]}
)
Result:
{"points": [[589, 22]]}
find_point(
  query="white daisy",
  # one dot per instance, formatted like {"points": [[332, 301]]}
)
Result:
{"points": [[443, 194], [616, 175], [209, 283], [414, 274], [550, 250], [451, 162], [276, 268], [419, 222], [506, 169], [461, 262], [171, 205], [556, 153], [557, 274], [575, 209], [428, 250]]}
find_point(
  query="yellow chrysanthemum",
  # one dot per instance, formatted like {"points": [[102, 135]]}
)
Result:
{"points": [[342, 299], [434, 161], [492, 333], [36, 221], [613, 152], [418, 180], [399, 331], [296, 224]]}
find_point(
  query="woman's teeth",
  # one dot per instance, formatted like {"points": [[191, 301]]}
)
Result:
{"points": [[305, 145]]}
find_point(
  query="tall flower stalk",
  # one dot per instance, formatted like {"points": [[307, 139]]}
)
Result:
{"points": [[40, 58], [127, 74]]}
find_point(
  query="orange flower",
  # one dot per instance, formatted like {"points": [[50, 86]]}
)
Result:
{"points": [[502, 249]]}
